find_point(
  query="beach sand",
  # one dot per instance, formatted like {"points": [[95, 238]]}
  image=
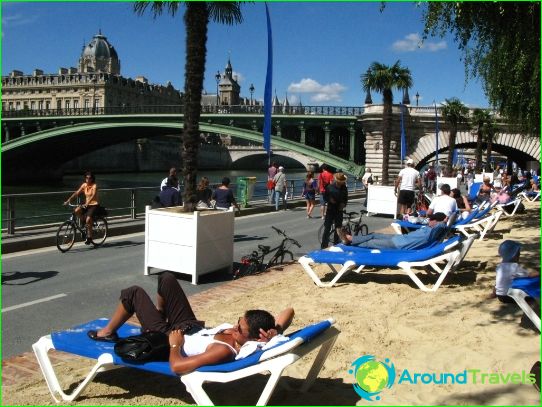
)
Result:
{"points": [[379, 313]]}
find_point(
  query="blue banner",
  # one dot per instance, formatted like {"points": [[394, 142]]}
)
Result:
{"points": [[436, 137], [267, 104], [403, 136]]}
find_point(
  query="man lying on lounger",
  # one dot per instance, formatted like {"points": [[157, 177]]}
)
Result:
{"points": [[433, 232], [191, 345]]}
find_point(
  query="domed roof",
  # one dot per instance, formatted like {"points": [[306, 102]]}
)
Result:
{"points": [[99, 47]]}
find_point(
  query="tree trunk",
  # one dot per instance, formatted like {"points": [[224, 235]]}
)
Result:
{"points": [[196, 19], [386, 135], [451, 148], [489, 151], [478, 156]]}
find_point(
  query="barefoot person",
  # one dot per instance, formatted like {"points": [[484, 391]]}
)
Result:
{"points": [[191, 345]]}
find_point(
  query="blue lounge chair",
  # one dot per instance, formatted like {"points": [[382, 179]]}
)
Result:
{"points": [[522, 288], [274, 360], [352, 258]]}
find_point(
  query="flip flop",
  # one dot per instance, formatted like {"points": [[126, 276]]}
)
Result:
{"points": [[109, 338]]}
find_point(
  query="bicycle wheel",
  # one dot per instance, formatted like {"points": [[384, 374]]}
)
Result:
{"points": [[65, 236], [364, 229], [99, 231], [286, 253], [321, 234]]}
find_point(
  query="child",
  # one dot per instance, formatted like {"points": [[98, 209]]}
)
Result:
{"points": [[509, 269]]}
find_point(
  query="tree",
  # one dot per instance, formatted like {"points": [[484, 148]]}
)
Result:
{"points": [[489, 130], [478, 120], [455, 113], [501, 45], [196, 18], [382, 79]]}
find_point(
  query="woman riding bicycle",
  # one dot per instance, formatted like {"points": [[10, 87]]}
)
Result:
{"points": [[86, 211]]}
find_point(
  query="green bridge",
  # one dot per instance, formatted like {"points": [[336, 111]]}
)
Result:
{"points": [[345, 137]]}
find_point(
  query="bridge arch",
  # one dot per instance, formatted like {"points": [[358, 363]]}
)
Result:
{"points": [[514, 145]]}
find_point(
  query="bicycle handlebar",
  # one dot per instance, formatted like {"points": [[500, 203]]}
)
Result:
{"points": [[283, 233]]}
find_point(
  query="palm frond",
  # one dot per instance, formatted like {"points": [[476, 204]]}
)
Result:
{"points": [[225, 12]]}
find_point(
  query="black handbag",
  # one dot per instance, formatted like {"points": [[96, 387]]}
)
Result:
{"points": [[147, 347]]}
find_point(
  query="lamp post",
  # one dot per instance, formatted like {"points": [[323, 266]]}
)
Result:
{"points": [[217, 77], [417, 97], [251, 90]]}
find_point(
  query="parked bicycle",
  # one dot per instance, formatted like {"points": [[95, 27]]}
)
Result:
{"points": [[66, 234], [254, 262], [352, 225]]}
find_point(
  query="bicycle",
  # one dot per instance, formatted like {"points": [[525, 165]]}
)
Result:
{"points": [[351, 225], [66, 233], [254, 262]]}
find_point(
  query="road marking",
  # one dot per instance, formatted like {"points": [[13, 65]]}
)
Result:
{"points": [[27, 304]]}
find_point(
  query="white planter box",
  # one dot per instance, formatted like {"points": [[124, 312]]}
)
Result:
{"points": [[382, 199], [193, 243]]}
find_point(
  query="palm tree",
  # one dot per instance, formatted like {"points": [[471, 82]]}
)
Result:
{"points": [[196, 18], [455, 113], [383, 78], [479, 119], [490, 128]]}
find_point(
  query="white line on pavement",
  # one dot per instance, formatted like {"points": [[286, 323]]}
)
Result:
{"points": [[27, 304]]}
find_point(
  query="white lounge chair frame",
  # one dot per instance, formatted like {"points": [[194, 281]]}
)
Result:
{"points": [[534, 198], [451, 258], [273, 361], [480, 227], [515, 202], [519, 296]]}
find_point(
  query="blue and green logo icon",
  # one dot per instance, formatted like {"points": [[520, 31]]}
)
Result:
{"points": [[372, 376]]}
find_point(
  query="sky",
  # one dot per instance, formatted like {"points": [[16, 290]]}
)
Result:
{"points": [[320, 49]]}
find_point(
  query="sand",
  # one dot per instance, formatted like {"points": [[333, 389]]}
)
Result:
{"points": [[379, 313]]}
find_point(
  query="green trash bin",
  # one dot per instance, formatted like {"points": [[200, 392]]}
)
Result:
{"points": [[245, 190], [242, 189]]}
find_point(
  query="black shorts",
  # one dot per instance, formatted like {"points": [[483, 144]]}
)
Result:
{"points": [[405, 197], [90, 210]]}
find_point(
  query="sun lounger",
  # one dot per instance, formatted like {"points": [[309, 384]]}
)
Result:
{"points": [[352, 258], [273, 360], [531, 197], [522, 288], [510, 208]]}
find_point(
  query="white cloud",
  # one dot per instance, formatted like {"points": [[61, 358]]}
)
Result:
{"points": [[17, 20], [413, 42], [320, 93], [239, 75]]}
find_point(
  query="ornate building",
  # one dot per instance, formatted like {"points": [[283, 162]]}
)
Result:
{"points": [[96, 83]]}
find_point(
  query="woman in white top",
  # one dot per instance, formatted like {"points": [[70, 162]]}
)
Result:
{"points": [[191, 345]]}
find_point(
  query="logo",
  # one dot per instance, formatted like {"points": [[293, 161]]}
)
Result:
{"points": [[372, 376]]}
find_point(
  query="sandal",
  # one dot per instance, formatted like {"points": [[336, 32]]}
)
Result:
{"points": [[109, 338]]}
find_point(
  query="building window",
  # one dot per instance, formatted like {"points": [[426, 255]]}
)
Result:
{"points": [[47, 105], [76, 104], [67, 104], [59, 104], [40, 105], [87, 103], [33, 105], [10, 105]]}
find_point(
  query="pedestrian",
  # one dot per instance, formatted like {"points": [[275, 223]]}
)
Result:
{"points": [[309, 192], [223, 196], [431, 179], [367, 180], [204, 193], [324, 179], [405, 184], [271, 172], [336, 195], [169, 195], [280, 188], [172, 173]]}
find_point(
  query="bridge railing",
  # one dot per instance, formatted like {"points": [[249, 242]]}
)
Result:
{"points": [[179, 109], [44, 209]]}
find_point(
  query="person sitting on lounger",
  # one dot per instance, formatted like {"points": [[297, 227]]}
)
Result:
{"points": [[433, 232], [191, 345], [509, 251]]}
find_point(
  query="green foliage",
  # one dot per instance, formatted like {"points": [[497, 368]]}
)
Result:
{"points": [[455, 113], [501, 45]]}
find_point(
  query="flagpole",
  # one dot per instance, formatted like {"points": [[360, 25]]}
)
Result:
{"points": [[268, 88], [436, 138], [403, 136]]}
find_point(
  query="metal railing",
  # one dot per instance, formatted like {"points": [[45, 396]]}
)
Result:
{"points": [[43, 209], [179, 109]]}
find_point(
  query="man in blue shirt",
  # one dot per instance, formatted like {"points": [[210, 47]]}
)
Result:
{"points": [[433, 232]]}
